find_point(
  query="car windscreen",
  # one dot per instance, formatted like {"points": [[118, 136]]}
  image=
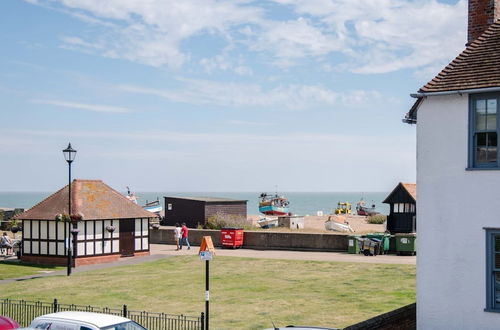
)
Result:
{"points": [[130, 325]]}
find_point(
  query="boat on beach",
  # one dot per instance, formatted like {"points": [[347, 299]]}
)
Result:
{"points": [[153, 207], [268, 222], [337, 226], [273, 205], [362, 209]]}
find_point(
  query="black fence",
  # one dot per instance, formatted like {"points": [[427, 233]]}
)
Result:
{"points": [[25, 311]]}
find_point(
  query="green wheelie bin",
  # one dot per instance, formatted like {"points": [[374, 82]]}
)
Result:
{"points": [[384, 241], [406, 244], [353, 244]]}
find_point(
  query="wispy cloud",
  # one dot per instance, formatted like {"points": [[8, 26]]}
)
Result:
{"points": [[84, 106], [232, 94]]}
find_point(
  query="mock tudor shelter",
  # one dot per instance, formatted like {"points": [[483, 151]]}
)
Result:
{"points": [[458, 177], [109, 226], [402, 216]]}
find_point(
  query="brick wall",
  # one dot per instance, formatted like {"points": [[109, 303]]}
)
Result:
{"points": [[235, 209], [481, 14], [404, 318]]}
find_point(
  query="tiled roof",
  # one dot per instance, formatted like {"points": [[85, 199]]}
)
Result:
{"points": [[478, 66], [411, 188], [92, 198]]}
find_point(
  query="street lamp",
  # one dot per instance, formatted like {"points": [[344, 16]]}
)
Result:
{"points": [[69, 154]]}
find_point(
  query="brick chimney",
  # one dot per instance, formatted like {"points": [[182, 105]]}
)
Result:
{"points": [[481, 14]]}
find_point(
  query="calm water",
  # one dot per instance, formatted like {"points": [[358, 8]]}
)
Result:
{"points": [[302, 203]]}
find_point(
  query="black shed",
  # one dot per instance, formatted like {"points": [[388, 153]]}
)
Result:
{"points": [[403, 212], [195, 211]]}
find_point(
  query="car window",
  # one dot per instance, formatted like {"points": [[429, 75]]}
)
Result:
{"points": [[41, 325], [85, 328], [130, 325]]}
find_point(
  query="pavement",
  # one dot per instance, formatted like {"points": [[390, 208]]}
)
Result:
{"points": [[161, 251]]}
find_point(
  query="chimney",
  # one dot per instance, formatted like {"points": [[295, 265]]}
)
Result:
{"points": [[482, 13]]}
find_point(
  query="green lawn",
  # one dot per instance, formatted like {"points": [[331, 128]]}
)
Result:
{"points": [[14, 270], [244, 293]]}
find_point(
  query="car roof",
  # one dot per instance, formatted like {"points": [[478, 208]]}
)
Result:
{"points": [[7, 323], [98, 319]]}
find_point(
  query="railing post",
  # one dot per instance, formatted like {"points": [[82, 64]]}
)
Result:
{"points": [[202, 321], [124, 310], [54, 309]]}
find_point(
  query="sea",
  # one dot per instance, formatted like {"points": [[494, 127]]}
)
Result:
{"points": [[301, 203]]}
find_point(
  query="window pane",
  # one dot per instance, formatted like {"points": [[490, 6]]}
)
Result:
{"points": [[496, 239], [481, 147], [497, 287], [491, 118], [480, 115], [492, 147]]}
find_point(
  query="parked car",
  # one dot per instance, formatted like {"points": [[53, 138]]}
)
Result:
{"points": [[299, 327], [84, 321], [6, 323]]}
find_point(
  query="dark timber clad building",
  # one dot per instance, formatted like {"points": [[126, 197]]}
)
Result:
{"points": [[403, 211], [195, 211]]}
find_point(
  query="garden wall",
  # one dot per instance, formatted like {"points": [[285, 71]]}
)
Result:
{"points": [[265, 240], [404, 318]]}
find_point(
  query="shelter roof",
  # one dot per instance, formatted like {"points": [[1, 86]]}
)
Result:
{"points": [[410, 188], [478, 66], [208, 199], [92, 198]]}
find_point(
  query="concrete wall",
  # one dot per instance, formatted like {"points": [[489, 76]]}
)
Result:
{"points": [[453, 207], [262, 239]]}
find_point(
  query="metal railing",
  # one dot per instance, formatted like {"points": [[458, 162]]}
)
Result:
{"points": [[25, 311]]}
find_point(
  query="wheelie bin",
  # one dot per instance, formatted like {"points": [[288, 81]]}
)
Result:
{"points": [[406, 244]]}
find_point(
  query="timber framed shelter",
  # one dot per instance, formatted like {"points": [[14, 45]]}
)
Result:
{"points": [[109, 226], [403, 211]]}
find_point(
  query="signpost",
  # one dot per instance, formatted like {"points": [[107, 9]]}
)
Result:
{"points": [[207, 251]]}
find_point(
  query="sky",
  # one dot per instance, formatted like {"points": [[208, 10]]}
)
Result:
{"points": [[209, 95]]}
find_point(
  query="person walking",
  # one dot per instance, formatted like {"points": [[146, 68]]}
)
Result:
{"points": [[185, 234], [177, 235]]}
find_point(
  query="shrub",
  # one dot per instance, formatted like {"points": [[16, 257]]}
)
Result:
{"points": [[377, 219], [222, 220]]}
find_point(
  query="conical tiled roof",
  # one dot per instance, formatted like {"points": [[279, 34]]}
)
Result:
{"points": [[92, 198], [478, 66]]}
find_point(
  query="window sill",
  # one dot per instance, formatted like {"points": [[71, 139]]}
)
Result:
{"points": [[482, 168], [489, 310]]}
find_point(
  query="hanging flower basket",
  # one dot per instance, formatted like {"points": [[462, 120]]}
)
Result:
{"points": [[15, 229], [76, 217], [110, 228], [62, 217], [155, 226], [75, 231]]}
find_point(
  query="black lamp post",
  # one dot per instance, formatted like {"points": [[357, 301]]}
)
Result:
{"points": [[69, 155]]}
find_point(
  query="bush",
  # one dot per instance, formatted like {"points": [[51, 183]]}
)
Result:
{"points": [[377, 219], [222, 220]]}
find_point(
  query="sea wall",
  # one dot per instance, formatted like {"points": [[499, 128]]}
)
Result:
{"points": [[264, 240]]}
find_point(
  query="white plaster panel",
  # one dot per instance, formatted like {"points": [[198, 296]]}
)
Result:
{"points": [[81, 233], [52, 248], [34, 230], [453, 206], [44, 249], [116, 246], [98, 229], [26, 229], [98, 247], [34, 247], [107, 234], [27, 247], [107, 246], [90, 229], [61, 250], [60, 230], [43, 230], [81, 248], [52, 229], [138, 244], [138, 227], [116, 233], [145, 245], [145, 225], [90, 248]]}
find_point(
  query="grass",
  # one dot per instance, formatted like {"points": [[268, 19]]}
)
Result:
{"points": [[244, 293], [14, 270]]}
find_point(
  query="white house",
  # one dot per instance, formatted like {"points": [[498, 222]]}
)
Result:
{"points": [[458, 183]]}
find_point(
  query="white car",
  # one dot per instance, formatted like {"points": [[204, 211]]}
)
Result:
{"points": [[83, 321]]}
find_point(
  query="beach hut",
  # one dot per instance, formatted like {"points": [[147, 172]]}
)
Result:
{"points": [[196, 211], [403, 213], [106, 224]]}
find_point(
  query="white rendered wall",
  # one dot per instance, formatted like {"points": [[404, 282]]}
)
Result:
{"points": [[453, 207]]}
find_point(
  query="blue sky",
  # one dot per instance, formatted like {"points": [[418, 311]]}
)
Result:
{"points": [[206, 95]]}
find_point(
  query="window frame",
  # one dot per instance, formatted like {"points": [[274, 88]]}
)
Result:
{"points": [[491, 305], [472, 132]]}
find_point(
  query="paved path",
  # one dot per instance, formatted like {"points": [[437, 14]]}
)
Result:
{"points": [[160, 251], [169, 250]]}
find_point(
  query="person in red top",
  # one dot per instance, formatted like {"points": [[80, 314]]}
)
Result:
{"points": [[185, 234]]}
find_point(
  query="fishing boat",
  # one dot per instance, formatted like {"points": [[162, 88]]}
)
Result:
{"points": [[337, 226], [153, 207], [268, 222], [273, 205], [362, 209]]}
